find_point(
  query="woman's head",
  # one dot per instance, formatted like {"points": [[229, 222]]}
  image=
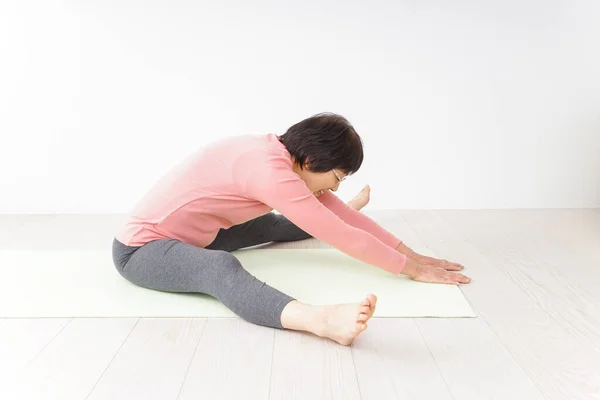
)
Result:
{"points": [[323, 148]]}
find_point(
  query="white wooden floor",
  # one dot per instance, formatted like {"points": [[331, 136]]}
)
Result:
{"points": [[536, 288]]}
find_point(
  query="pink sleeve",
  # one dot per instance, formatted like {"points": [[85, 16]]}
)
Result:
{"points": [[275, 184], [358, 219]]}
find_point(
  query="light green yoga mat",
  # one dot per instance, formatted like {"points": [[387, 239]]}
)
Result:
{"points": [[84, 283]]}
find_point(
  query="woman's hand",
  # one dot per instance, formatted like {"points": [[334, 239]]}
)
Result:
{"points": [[439, 275], [430, 274], [426, 260], [443, 264]]}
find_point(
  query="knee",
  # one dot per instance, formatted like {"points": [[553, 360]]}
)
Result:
{"points": [[230, 276], [227, 267], [225, 261], [272, 217], [271, 220]]}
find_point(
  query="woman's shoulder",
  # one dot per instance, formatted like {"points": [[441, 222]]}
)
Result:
{"points": [[249, 142], [259, 148]]}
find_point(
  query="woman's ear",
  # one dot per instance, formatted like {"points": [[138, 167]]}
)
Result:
{"points": [[306, 164]]}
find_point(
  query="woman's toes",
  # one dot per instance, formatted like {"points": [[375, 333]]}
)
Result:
{"points": [[361, 326], [361, 199], [372, 299], [362, 317], [365, 309]]}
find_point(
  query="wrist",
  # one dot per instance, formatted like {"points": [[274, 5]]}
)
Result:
{"points": [[407, 251], [411, 268]]}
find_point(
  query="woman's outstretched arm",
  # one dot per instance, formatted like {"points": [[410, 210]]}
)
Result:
{"points": [[364, 222]]}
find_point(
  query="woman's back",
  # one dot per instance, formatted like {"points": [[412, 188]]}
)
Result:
{"points": [[203, 193]]}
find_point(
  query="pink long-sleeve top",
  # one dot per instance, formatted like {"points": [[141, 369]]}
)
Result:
{"points": [[236, 179]]}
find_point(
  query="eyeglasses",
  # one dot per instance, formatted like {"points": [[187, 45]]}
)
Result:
{"points": [[338, 177]]}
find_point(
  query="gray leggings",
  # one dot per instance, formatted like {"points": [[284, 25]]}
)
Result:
{"points": [[170, 265]]}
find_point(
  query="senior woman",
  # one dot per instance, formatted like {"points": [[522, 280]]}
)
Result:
{"points": [[179, 237]]}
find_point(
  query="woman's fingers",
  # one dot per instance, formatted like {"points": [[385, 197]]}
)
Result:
{"points": [[455, 277], [462, 278], [454, 267], [449, 266], [440, 263], [440, 275]]}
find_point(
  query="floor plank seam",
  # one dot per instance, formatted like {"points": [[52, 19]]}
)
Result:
{"points": [[523, 369], [113, 357], [51, 340], [187, 371], [355, 373], [382, 359], [434, 361], [271, 369]]}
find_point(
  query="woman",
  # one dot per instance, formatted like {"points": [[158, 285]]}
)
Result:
{"points": [[179, 237]]}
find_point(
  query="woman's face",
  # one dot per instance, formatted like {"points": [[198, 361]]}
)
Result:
{"points": [[319, 182]]}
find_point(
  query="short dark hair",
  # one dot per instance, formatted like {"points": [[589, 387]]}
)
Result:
{"points": [[328, 140]]}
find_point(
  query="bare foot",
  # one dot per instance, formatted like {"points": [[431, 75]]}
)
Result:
{"points": [[361, 199], [344, 322]]}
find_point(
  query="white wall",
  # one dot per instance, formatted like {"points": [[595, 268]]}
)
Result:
{"points": [[472, 104]]}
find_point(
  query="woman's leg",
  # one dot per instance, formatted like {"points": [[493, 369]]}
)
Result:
{"points": [[172, 266], [267, 228], [270, 227]]}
